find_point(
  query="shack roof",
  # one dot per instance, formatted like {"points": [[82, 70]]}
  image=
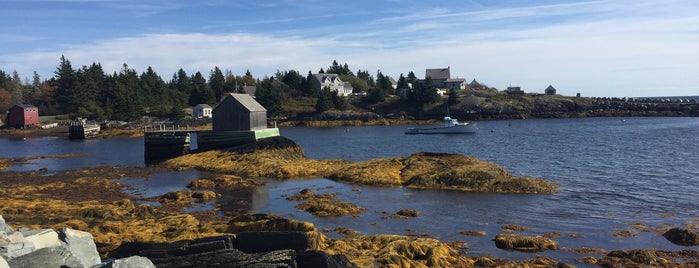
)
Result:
{"points": [[247, 101], [25, 106]]}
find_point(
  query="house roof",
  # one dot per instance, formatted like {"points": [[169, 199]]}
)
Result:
{"points": [[551, 88], [203, 105], [323, 77], [25, 106], [442, 73], [247, 101], [456, 80]]}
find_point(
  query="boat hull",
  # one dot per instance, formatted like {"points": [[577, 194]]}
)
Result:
{"points": [[458, 129]]}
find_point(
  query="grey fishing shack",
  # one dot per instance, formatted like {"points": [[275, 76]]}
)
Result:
{"points": [[239, 112]]}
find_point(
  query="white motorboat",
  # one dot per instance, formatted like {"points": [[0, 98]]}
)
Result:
{"points": [[450, 126]]}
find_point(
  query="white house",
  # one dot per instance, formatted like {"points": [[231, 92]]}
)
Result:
{"points": [[202, 111], [333, 82]]}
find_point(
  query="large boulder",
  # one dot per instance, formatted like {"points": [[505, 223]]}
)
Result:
{"points": [[4, 228], [48, 248], [43, 238], [682, 237], [82, 245], [56, 256]]}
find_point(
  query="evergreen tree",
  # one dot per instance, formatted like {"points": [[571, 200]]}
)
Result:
{"points": [[217, 83], [16, 89], [200, 91], [339, 70], [92, 81], [177, 111], [248, 80], [423, 94], [453, 97], [181, 82], [384, 83], [231, 84], [67, 87], [159, 98], [268, 94], [325, 100], [364, 75], [376, 95], [127, 102], [402, 82], [34, 92], [307, 87], [412, 79], [340, 102], [294, 80]]}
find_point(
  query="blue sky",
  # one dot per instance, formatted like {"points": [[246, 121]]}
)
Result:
{"points": [[596, 48]]}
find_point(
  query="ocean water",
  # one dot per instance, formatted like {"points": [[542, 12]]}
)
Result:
{"points": [[633, 175], [615, 174]]}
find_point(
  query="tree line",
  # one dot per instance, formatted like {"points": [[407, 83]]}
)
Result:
{"points": [[90, 92]]}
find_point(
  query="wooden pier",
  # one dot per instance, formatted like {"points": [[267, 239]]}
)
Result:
{"points": [[238, 119], [164, 144], [82, 129]]}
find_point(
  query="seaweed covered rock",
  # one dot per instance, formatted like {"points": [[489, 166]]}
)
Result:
{"points": [[269, 222], [324, 205], [441, 171], [682, 237], [276, 157], [280, 157], [396, 251], [649, 258], [524, 243]]}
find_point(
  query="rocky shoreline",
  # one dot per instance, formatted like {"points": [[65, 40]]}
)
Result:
{"points": [[90, 201]]}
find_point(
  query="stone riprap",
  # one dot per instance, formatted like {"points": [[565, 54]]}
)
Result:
{"points": [[48, 248], [76, 249]]}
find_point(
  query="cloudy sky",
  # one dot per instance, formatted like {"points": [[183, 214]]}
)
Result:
{"points": [[596, 48]]}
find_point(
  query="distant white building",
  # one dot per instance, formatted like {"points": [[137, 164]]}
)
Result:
{"points": [[333, 82], [202, 111]]}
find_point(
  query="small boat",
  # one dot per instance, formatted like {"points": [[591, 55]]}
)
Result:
{"points": [[450, 126]]}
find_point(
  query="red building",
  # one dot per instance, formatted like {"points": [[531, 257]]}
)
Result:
{"points": [[23, 116]]}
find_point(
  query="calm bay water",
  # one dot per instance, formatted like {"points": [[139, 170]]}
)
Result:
{"points": [[613, 172]]}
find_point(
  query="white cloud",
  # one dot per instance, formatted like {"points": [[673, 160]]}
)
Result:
{"points": [[596, 54]]}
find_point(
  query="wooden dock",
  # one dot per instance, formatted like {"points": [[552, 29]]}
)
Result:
{"points": [[80, 129], [164, 144]]}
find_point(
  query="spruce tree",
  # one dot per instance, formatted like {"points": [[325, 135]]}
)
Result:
{"points": [[217, 83]]}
